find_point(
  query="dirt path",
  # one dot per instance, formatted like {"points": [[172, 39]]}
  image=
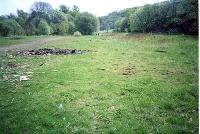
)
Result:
{"points": [[31, 43]]}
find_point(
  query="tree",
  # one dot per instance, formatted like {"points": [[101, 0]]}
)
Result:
{"points": [[189, 17], [63, 28], [43, 27], [22, 18], [64, 9], [75, 11], [56, 16], [72, 28], [11, 16], [57, 21], [32, 27], [149, 18], [41, 9], [107, 28], [21, 13], [3, 30], [86, 23], [118, 24], [110, 19], [124, 25], [10, 27]]}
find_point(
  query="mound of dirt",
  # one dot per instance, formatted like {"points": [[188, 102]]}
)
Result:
{"points": [[55, 51]]}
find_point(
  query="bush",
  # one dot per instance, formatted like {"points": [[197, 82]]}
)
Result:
{"points": [[86, 23], [63, 28], [72, 28], [43, 27], [10, 27], [118, 24], [77, 33]]}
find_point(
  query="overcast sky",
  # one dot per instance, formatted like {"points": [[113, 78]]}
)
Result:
{"points": [[97, 7]]}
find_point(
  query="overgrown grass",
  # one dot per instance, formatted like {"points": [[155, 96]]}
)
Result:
{"points": [[129, 84]]}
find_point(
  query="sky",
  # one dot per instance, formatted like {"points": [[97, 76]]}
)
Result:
{"points": [[97, 7]]}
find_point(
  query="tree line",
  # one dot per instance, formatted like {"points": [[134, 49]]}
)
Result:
{"points": [[44, 20], [173, 16]]}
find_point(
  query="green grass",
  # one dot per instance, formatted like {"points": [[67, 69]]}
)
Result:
{"points": [[7, 41], [130, 84]]}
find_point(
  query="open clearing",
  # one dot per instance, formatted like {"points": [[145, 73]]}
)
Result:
{"points": [[129, 84], [26, 42]]}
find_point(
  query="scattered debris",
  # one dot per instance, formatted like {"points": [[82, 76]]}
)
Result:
{"points": [[12, 65], [5, 77], [125, 73], [29, 72], [23, 78], [111, 109], [103, 69], [55, 51], [41, 64], [10, 56], [60, 106]]}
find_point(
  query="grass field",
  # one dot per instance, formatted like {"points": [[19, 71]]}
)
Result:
{"points": [[127, 84], [7, 41]]}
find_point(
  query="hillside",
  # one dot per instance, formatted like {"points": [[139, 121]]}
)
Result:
{"points": [[174, 17]]}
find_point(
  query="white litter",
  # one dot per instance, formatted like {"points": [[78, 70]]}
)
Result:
{"points": [[60, 106], [29, 72], [22, 78]]}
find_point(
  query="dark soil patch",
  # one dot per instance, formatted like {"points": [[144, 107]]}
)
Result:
{"points": [[55, 51]]}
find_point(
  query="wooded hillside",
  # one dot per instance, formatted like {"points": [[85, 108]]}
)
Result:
{"points": [[174, 16]]}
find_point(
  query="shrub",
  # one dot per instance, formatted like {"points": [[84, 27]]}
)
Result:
{"points": [[86, 23], [63, 28], [72, 28], [10, 27], [44, 28], [77, 33]]}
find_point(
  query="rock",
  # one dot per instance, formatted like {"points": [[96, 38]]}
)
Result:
{"points": [[73, 51]]}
